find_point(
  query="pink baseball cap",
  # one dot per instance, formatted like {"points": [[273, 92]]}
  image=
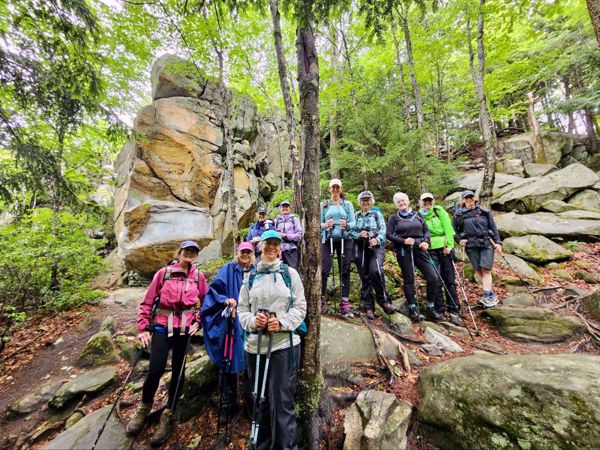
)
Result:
{"points": [[245, 246]]}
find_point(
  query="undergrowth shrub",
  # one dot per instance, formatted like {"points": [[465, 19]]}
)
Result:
{"points": [[46, 263]]}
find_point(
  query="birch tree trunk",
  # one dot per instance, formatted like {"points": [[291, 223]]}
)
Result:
{"points": [[402, 81], [288, 102], [311, 379], [411, 68], [478, 75], [539, 155]]}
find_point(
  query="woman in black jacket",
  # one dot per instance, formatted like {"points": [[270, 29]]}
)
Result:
{"points": [[409, 233], [477, 232]]}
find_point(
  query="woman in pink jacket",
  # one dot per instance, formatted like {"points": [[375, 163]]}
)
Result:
{"points": [[172, 302]]}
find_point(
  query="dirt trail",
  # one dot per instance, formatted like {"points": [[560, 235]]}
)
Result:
{"points": [[53, 355]]}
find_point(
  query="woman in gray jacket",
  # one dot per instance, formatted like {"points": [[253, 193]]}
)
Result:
{"points": [[271, 307]]}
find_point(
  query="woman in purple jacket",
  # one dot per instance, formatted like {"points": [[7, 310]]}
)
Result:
{"points": [[290, 230]]}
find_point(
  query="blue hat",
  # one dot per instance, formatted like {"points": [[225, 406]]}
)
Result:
{"points": [[468, 194], [186, 244], [270, 234]]}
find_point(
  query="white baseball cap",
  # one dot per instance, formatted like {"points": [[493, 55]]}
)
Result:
{"points": [[335, 182], [426, 195]]}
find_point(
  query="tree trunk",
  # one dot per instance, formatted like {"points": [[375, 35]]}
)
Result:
{"points": [[539, 155], [288, 102], [402, 82], [589, 128], [411, 68], [571, 117], [333, 120], [489, 139], [311, 379], [594, 9]]}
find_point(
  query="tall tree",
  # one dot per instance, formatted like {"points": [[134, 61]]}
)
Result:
{"points": [[594, 9], [288, 103], [311, 378], [402, 11], [485, 123]]}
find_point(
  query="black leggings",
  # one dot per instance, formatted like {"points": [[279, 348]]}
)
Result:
{"points": [[344, 261], [159, 352], [422, 262]]}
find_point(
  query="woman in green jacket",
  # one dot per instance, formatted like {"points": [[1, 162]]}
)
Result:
{"points": [[442, 256]]}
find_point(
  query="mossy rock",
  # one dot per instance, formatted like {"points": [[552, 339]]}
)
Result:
{"points": [[535, 248], [512, 402], [109, 324], [128, 348], [100, 350], [399, 323], [563, 274], [533, 324], [586, 276]]}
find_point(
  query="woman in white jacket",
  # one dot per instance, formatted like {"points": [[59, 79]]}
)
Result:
{"points": [[267, 305]]}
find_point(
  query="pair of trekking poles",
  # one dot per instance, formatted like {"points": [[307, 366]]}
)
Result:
{"points": [[131, 370], [340, 265], [450, 296], [259, 399]]}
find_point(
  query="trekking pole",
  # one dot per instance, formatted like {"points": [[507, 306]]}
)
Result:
{"points": [[439, 275], [263, 387], [462, 288], [225, 366], [332, 269], [382, 276], [114, 405], [515, 272], [182, 370], [414, 270], [255, 388]]}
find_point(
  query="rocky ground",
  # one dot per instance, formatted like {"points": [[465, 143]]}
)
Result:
{"points": [[64, 371]]}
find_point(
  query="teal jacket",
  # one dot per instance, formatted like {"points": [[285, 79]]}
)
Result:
{"points": [[373, 222], [345, 210], [440, 227]]}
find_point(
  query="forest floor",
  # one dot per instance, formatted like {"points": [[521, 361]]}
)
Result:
{"points": [[48, 347]]}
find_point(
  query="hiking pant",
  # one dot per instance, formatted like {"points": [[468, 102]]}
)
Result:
{"points": [[290, 257], [446, 271], [371, 276], [159, 352], [344, 261], [422, 263], [278, 422]]}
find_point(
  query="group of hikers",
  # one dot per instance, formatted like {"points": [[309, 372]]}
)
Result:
{"points": [[259, 296]]}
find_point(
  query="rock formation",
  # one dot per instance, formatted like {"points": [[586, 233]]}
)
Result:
{"points": [[170, 175]]}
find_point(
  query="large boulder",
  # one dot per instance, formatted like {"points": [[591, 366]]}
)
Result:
{"points": [[538, 170], [519, 266], [171, 182], [84, 433], [199, 374], [586, 199], [547, 224], [33, 399], [533, 324], [86, 383], [472, 181], [512, 402], [377, 421], [591, 304], [536, 248], [342, 341], [99, 351], [557, 185], [580, 214], [399, 323]]}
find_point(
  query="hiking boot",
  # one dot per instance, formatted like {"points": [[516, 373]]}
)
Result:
{"points": [[433, 315], [163, 429], [414, 315], [488, 301], [454, 318], [388, 308], [136, 423], [345, 308], [369, 314]]}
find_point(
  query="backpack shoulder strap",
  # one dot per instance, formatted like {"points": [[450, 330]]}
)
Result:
{"points": [[167, 274], [251, 277], [284, 270]]}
